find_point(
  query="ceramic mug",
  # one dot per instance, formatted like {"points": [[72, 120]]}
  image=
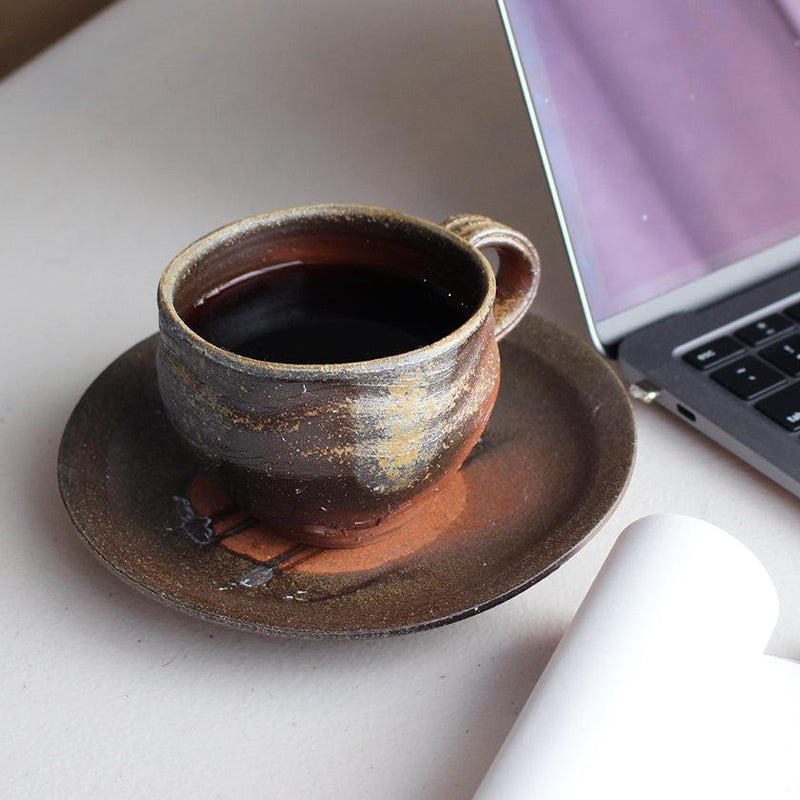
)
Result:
{"points": [[336, 455]]}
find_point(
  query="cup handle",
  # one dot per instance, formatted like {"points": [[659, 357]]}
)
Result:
{"points": [[520, 268]]}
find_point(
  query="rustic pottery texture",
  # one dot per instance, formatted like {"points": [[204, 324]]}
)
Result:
{"points": [[551, 466], [339, 454]]}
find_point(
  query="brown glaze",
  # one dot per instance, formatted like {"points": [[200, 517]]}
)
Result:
{"points": [[519, 271], [552, 464], [337, 455]]}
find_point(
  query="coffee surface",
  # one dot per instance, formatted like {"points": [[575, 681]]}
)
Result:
{"points": [[306, 313]]}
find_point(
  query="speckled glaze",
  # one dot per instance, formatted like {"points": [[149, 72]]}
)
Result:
{"points": [[336, 455]]}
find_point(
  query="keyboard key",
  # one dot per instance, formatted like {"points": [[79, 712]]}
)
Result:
{"points": [[763, 330], [783, 407], [785, 355], [748, 377], [713, 353], [793, 311]]}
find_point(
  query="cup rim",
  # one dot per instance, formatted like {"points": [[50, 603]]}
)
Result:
{"points": [[240, 228]]}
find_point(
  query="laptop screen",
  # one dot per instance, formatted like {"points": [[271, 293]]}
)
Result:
{"points": [[672, 131]]}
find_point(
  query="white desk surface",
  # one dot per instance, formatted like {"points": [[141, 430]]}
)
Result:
{"points": [[151, 125]]}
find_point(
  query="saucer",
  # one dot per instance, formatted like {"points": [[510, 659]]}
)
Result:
{"points": [[551, 466]]}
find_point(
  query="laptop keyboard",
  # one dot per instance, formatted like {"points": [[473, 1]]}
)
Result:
{"points": [[748, 377], [759, 362]]}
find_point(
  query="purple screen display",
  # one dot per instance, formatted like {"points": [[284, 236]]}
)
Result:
{"points": [[673, 132]]}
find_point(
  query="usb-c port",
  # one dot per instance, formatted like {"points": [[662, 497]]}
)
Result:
{"points": [[686, 413]]}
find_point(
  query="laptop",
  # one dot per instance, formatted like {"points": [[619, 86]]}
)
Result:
{"points": [[670, 136]]}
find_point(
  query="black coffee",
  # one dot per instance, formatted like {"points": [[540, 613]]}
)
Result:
{"points": [[325, 313]]}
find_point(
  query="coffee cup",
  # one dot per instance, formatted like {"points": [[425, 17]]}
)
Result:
{"points": [[334, 364]]}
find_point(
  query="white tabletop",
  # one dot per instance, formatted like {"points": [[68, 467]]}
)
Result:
{"points": [[151, 125]]}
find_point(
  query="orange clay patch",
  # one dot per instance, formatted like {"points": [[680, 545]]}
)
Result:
{"points": [[436, 512]]}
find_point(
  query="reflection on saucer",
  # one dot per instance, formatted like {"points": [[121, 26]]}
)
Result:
{"points": [[235, 531]]}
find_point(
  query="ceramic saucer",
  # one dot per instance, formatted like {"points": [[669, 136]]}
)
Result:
{"points": [[552, 465]]}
